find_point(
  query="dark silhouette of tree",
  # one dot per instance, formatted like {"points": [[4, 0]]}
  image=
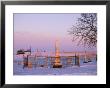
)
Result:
{"points": [[85, 30]]}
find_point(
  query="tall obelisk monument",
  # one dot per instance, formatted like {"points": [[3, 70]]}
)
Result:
{"points": [[57, 63]]}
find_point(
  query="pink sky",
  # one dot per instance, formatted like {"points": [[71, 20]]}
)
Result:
{"points": [[41, 30]]}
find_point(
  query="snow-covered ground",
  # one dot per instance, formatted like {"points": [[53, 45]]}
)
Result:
{"points": [[89, 68]]}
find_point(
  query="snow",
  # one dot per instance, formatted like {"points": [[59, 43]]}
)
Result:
{"points": [[89, 68]]}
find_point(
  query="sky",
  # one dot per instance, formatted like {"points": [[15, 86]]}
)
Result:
{"points": [[40, 31]]}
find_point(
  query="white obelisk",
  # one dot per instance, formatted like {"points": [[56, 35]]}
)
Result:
{"points": [[57, 63]]}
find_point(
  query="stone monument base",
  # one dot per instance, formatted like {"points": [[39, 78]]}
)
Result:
{"points": [[57, 66]]}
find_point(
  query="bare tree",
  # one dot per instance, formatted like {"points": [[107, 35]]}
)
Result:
{"points": [[85, 30]]}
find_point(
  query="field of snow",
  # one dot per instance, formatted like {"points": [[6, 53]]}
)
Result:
{"points": [[89, 68]]}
